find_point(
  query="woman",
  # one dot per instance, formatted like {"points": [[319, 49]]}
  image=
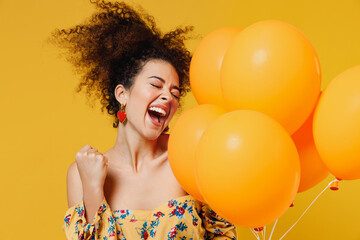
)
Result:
{"points": [[130, 192]]}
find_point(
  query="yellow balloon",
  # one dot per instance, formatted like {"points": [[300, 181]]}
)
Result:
{"points": [[247, 168], [271, 67], [337, 125], [206, 64], [183, 140]]}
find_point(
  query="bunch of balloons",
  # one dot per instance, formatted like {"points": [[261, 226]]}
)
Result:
{"points": [[248, 148]]}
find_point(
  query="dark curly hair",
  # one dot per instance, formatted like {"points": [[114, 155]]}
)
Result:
{"points": [[112, 47]]}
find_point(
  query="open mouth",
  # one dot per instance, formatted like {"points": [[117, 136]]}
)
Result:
{"points": [[158, 115]]}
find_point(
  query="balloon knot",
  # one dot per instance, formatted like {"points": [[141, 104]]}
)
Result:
{"points": [[335, 185], [258, 229]]}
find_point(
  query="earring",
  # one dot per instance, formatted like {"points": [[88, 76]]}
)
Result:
{"points": [[122, 114]]}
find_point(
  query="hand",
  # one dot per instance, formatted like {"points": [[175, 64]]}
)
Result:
{"points": [[92, 167]]}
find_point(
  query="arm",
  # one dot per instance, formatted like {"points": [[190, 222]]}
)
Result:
{"points": [[77, 192], [90, 220]]}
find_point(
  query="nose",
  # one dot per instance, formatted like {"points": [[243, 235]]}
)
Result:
{"points": [[166, 95]]}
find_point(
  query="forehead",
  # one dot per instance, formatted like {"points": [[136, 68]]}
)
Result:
{"points": [[160, 69]]}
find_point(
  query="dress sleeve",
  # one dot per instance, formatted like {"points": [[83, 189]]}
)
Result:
{"points": [[216, 227], [76, 226]]}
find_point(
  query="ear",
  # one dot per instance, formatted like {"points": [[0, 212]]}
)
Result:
{"points": [[121, 94]]}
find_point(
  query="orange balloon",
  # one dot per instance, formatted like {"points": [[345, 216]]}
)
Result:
{"points": [[337, 125], [313, 170], [247, 168], [206, 64], [184, 137], [271, 67]]}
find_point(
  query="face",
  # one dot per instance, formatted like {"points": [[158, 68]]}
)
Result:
{"points": [[153, 99]]}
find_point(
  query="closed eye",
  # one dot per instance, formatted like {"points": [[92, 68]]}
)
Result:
{"points": [[177, 97], [155, 85]]}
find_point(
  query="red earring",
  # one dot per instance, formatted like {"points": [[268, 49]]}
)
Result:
{"points": [[122, 114]]}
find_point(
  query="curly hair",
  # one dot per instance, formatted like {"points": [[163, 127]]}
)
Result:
{"points": [[112, 47]]}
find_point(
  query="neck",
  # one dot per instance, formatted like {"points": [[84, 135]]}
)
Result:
{"points": [[132, 150]]}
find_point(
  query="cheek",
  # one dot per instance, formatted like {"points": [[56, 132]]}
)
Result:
{"points": [[137, 106], [148, 94], [174, 107], [143, 98]]}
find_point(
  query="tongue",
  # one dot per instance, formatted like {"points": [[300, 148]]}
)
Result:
{"points": [[154, 116]]}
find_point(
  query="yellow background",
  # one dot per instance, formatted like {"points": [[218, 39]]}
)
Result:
{"points": [[43, 123]]}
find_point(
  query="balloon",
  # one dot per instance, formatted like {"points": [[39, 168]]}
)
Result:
{"points": [[271, 67], [247, 168], [313, 170], [206, 64], [337, 125], [184, 137]]}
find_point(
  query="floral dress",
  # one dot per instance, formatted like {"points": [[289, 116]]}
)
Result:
{"points": [[180, 218]]}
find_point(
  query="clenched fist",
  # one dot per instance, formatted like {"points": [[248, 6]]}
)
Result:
{"points": [[92, 167]]}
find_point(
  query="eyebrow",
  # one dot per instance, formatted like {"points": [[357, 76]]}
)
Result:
{"points": [[163, 81]]}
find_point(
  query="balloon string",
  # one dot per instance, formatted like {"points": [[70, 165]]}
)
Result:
{"points": [[309, 207], [272, 231], [254, 233], [258, 235], [264, 233]]}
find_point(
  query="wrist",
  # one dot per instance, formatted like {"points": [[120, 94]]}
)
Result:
{"points": [[93, 189]]}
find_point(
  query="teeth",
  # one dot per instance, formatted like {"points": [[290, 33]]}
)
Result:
{"points": [[159, 110]]}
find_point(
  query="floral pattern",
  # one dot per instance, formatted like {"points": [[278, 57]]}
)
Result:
{"points": [[182, 218]]}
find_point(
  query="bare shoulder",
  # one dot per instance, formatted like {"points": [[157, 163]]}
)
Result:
{"points": [[74, 185]]}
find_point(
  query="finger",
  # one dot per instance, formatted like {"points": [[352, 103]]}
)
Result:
{"points": [[92, 150], [91, 154], [82, 151], [100, 156], [106, 160], [85, 148]]}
